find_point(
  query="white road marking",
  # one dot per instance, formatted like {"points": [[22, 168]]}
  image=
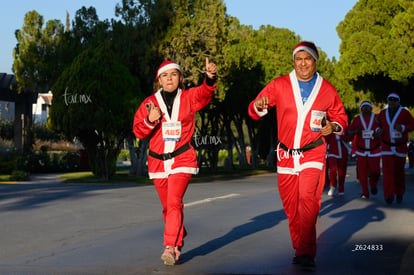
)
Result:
{"points": [[211, 199]]}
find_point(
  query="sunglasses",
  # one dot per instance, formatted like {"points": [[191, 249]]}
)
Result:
{"points": [[393, 99]]}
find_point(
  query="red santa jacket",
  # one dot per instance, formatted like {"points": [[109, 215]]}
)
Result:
{"points": [[394, 142], [299, 124], [365, 142], [162, 133], [337, 146]]}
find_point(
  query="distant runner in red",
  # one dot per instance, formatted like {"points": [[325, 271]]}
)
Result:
{"points": [[395, 121], [367, 148], [308, 107], [167, 117], [337, 156]]}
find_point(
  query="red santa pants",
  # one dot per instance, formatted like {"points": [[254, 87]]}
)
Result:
{"points": [[301, 197], [368, 167], [393, 173], [337, 172], [171, 191]]}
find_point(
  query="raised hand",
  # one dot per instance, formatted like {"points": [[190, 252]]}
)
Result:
{"points": [[211, 69]]}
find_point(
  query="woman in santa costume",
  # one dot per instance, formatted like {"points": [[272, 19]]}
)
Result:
{"points": [[395, 122], [308, 107], [168, 118], [367, 148]]}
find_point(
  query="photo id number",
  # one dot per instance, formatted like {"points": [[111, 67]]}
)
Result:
{"points": [[368, 247]]}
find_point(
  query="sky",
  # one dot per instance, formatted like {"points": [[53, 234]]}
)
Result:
{"points": [[312, 20]]}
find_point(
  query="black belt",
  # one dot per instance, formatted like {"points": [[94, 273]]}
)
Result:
{"points": [[305, 148], [394, 144], [368, 149], [171, 155]]}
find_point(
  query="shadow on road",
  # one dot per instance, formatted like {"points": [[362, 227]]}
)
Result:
{"points": [[345, 247], [331, 204], [258, 223], [351, 221], [29, 196]]}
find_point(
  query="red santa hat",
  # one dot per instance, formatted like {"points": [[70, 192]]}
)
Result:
{"points": [[365, 103], [167, 65], [306, 46], [394, 95]]}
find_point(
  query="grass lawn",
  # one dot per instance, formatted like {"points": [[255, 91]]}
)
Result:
{"points": [[121, 176], [4, 177]]}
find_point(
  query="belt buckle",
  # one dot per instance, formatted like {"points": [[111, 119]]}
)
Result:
{"points": [[166, 156]]}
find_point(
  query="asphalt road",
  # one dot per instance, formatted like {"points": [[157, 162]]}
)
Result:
{"points": [[235, 226]]}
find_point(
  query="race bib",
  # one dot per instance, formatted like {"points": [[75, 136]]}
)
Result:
{"points": [[396, 134], [367, 134], [171, 131], [316, 120]]}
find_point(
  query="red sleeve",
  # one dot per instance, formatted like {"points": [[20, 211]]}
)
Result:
{"points": [[268, 91], [409, 126], [201, 95], [336, 113], [354, 124]]}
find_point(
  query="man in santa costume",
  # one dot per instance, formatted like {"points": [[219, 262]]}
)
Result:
{"points": [[168, 118], [395, 122], [308, 107], [367, 148]]}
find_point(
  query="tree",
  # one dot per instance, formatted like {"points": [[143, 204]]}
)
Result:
{"points": [[377, 48], [252, 59], [86, 31], [34, 57], [95, 100], [198, 30], [35, 49], [142, 24], [244, 76]]}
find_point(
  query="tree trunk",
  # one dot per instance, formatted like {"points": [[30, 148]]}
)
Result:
{"points": [[254, 156], [242, 153], [228, 162], [133, 170], [142, 157], [271, 155], [102, 153], [273, 137]]}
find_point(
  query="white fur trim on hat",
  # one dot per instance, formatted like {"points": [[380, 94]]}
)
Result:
{"points": [[365, 103], [393, 95], [168, 66], [306, 46]]}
